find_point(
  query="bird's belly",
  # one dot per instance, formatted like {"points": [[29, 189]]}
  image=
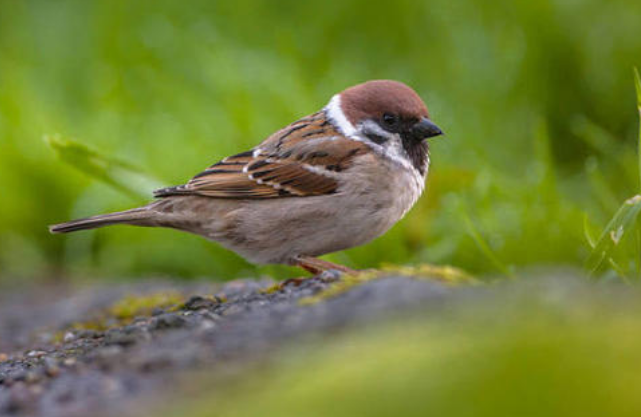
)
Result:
{"points": [[277, 230]]}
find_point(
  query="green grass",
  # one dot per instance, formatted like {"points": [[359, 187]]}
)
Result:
{"points": [[536, 99]]}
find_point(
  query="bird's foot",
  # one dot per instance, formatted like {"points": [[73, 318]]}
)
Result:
{"points": [[327, 276], [292, 282], [318, 266], [323, 270]]}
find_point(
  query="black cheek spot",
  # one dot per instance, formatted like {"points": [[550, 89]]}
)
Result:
{"points": [[377, 138]]}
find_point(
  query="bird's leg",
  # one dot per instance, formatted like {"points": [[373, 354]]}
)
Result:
{"points": [[316, 266]]}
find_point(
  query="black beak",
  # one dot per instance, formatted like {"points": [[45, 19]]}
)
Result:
{"points": [[424, 129]]}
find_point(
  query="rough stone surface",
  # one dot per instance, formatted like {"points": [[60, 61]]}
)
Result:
{"points": [[49, 369]]}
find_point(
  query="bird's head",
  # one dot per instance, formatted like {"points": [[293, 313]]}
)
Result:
{"points": [[388, 114]]}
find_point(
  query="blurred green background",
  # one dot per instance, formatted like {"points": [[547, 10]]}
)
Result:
{"points": [[537, 99]]}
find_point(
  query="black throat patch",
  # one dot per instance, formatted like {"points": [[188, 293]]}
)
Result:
{"points": [[417, 151]]}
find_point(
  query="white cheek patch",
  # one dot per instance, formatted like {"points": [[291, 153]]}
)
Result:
{"points": [[391, 148], [395, 150], [336, 115]]}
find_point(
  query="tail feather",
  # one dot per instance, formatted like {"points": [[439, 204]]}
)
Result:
{"points": [[137, 216]]}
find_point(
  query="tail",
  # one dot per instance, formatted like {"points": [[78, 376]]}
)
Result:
{"points": [[139, 216]]}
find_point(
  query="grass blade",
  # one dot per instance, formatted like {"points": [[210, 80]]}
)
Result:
{"points": [[587, 233], [485, 247], [592, 242], [614, 232], [116, 173]]}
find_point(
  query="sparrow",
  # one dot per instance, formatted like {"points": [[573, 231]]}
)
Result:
{"points": [[330, 181]]}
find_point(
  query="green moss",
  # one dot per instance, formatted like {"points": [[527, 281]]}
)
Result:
{"points": [[198, 302], [135, 305], [99, 323], [218, 298], [271, 289], [123, 311], [445, 274]]}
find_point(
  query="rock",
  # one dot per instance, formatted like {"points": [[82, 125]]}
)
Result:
{"points": [[125, 336], [89, 334], [51, 367], [197, 302], [167, 321], [132, 362]]}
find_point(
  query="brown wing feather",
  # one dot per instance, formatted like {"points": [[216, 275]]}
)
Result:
{"points": [[299, 160]]}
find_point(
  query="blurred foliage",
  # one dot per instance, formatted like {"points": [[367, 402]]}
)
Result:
{"points": [[536, 98], [550, 350]]}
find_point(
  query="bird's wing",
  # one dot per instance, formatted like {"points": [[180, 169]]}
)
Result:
{"points": [[302, 159]]}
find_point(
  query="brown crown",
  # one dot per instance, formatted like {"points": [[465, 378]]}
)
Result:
{"points": [[374, 98]]}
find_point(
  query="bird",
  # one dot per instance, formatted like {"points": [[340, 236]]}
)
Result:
{"points": [[333, 180]]}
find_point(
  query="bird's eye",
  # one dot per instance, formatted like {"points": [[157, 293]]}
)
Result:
{"points": [[390, 120]]}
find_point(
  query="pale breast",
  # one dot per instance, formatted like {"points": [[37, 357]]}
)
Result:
{"points": [[390, 188]]}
